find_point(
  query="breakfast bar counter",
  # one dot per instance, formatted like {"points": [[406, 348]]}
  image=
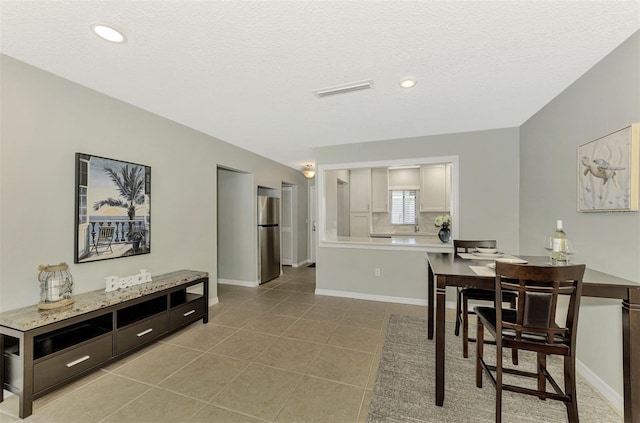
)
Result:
{"points": [[394, 242]]}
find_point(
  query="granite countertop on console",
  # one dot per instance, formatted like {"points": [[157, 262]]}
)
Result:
{"points": [[31, 317]]}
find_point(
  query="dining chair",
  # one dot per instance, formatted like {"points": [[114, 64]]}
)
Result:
{"points": [[532, 327], [104, 239], [475, 294]]}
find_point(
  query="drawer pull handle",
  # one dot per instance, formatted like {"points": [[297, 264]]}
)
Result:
{"points": [[78, 361], [188, 313], [144, 332]]}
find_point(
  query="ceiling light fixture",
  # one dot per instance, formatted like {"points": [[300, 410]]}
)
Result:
{"points": [[308, 172], [108, 33], [408, 83], [343, 89]]}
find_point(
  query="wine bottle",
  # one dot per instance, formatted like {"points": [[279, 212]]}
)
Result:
{"points": [[559, 245]]}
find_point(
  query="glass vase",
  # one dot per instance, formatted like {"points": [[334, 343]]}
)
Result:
{"points": [[56, 286], [444, 234]]}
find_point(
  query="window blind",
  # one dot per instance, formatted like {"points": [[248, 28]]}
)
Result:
{"points": [[403, 207]]}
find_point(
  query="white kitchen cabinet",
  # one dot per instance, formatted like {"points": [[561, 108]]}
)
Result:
{"points": [[379, 189], [360, 225], [360, 190], [434, 195]]}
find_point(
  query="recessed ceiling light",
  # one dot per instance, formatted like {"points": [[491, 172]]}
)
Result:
{"points": [[108, 33], [408, 83]]}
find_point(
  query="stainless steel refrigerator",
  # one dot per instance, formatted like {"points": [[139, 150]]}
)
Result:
{"points": [[268, 237]]}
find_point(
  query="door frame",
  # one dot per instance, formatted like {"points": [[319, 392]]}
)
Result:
{"points": [[313, 223], [290, 228]]}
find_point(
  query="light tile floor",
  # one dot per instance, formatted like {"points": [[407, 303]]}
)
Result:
{"points": [[275, 353]]}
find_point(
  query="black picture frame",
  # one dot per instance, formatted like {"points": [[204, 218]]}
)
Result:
{"points": [[112, 209]]}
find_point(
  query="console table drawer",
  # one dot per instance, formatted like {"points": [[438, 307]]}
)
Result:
{"points": [[52, 370], [42, 352], [140, 333], [186, 313]]}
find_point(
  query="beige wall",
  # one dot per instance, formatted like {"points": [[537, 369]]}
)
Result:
{"points": [[603, 100], [488, 208], [514, 184], [46, 120]]}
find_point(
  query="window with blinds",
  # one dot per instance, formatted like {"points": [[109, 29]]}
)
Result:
{"points": [[403, 207]]}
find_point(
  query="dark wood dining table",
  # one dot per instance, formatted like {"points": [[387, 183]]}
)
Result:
{"points": [[448, 269]]}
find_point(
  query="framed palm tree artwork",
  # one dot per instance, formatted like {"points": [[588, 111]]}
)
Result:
{"points": [[112, 209]]}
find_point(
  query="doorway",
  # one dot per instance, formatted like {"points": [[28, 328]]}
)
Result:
{"points": [[286, 225], [236, 228]]}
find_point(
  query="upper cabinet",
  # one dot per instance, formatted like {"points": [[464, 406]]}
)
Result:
{"points": [[379, 189], [360, 183], [357, 197], [435, 187]]}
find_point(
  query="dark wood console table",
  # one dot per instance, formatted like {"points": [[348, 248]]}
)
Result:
{"points": [[43, 350], [447, 269]]}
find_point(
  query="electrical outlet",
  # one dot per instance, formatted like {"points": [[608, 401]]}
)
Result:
{"points": [[377, 271]]}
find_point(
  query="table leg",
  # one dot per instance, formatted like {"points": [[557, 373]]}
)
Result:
{"points": [[440, 332], [430, 302], [205, 290], [630, 352], [1, 367], [26, 385]]}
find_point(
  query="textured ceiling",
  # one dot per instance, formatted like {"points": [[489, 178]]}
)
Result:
{"points": [[244, 71]]}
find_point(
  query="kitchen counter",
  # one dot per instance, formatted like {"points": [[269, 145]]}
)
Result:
{"points": [[391, 242], [402, 234]]}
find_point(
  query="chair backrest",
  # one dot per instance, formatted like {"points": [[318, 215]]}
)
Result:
{"points": [[538, 290], [106, 232], [467, 246]]}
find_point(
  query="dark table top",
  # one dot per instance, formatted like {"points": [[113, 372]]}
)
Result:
{"points": [[594, 283]]}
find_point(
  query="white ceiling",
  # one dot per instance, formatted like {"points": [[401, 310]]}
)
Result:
{"points": [[244, 71]]}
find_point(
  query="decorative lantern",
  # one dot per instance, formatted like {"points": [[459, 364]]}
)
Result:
{"points": [[56, 285]]}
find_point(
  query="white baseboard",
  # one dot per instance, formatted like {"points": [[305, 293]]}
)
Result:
{"points": [[301, 263], [238, 283], [213, 301], [372, 297], [615, 400], [609, 394]]}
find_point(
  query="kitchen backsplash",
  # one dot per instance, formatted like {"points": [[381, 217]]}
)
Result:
{"points": [[381, 223]]}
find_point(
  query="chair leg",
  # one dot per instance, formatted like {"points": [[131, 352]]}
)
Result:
{"points": [[514, 351], [465, 326], [570, 389], [542, 380], [479, 353], [498, 383], [458, 296]]}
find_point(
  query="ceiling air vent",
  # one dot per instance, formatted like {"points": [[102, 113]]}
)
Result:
{"points": [[343, 89]]}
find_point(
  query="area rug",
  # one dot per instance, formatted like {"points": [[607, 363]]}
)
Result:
{"points": [[405, 384]]}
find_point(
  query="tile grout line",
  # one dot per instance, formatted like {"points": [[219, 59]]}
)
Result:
{"points": [[347, 307]]}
